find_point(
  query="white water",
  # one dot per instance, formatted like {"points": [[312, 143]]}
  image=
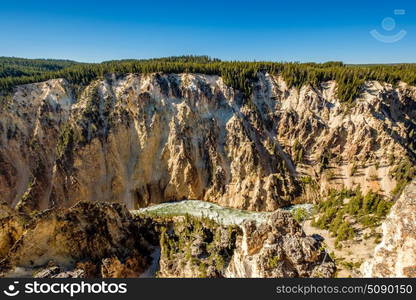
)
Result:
{"points": [[202, 209], [196, 208]]}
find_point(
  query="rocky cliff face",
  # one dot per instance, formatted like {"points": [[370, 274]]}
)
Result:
{"points": [[395, 256], [146, 139]]}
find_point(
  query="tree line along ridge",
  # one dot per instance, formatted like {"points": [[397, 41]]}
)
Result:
{"points": [[237, 74]]}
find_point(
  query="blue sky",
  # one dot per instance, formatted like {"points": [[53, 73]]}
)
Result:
{"points": [[94, 31]]}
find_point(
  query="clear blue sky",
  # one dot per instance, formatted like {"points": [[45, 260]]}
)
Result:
{"points": [[289, 30]]}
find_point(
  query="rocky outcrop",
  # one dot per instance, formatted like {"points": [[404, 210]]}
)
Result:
{"points": [[278, 248], [395, 256], [273, 249], [69, 242], [146, 139]]}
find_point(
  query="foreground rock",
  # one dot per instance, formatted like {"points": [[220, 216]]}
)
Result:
{"points": [[98, 240], [395, 256], [275, 248], [93, 240]]}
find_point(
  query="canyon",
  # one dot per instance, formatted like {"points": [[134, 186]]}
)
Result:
{"points": [[86, 160]]}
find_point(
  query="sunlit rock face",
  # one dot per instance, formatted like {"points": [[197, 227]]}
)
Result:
{"points": [[147, 139], [395, 256]]}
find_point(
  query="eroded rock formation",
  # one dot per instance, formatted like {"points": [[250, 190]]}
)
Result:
{"points": [[278, 248]]}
